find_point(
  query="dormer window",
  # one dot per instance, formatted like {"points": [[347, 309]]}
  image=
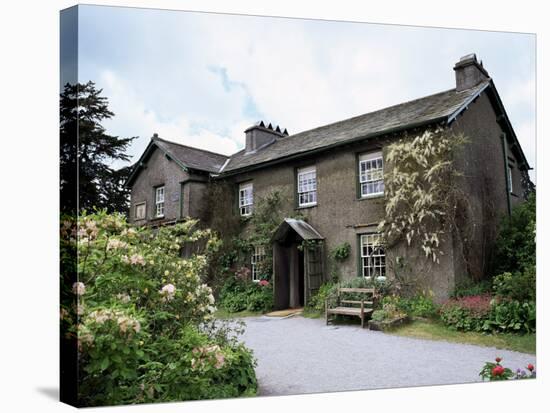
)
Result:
{"points": [[159, 202], [246, 199]]}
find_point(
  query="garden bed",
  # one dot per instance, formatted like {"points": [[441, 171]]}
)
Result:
{"points": [[386, 325]]}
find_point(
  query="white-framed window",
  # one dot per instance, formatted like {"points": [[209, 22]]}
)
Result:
{"points": [[510, 178], [140, 210], [371, 174], [373, 256], [246, 199], [159, 201], [307, 186], [257, 257]]}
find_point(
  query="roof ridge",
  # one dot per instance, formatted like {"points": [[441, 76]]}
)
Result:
{"points": [[190, 147], [377, 110]]}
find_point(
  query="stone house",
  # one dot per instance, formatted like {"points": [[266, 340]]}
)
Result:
{"points": [[332, 175]]}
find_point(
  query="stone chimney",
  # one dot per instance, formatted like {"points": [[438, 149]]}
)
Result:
{"points": [[260, 135], [469, 72]]}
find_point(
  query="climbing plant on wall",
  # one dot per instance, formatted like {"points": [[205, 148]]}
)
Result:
{"points": [[421, 191]]}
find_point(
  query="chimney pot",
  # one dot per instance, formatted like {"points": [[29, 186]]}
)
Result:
{"points": [[260, 135], [469, 72]]}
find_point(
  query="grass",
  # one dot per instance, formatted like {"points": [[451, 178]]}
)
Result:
{"points": [[436, 330], [222, 314], [311, 313]]}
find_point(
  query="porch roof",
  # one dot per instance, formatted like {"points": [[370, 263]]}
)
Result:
{"points": [[302, 228]]}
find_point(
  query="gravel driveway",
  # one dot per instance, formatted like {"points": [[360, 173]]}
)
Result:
{"points": [[300, 355]]}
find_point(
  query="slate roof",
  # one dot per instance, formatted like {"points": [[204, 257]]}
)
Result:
{"points": [[302, 228], [186, 157], [193, 158], [429, 109]]}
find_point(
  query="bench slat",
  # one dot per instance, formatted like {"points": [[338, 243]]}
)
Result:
{"points": [[357, 290], [348, 310], [356, 302]]}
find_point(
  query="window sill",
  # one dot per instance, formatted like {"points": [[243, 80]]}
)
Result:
{"points": [[377, 196], [306, 206], [158, 218]]}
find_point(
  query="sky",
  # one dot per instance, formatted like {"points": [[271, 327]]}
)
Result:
{"points": [[201, 79]]}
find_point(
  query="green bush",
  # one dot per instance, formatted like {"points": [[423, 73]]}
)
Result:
{"points": [[144, 330], [317, 301], [467, 313], [483, 313], [468, 287], [420, 305], [515, 246], [512, 316], [520, 286], [238, 295]]}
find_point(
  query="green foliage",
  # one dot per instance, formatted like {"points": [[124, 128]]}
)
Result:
{"points": [[390, 309], [467, 313], [88, 158], [318, 300], [382, 288], [515, 246], [145, 328], [238, 294], [379, 315], [520, 286], [483, 314], [340, 252], [470, 287], [512, 316], [495, 372], [420, 305], [420, 191]]}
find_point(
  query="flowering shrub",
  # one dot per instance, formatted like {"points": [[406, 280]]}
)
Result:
{"points": [[483, 313], [421, 200], [496, 372], [142, 317], [467, 313]]}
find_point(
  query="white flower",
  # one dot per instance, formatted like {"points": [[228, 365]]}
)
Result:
{"points": [[125, 298], [115, 244], [137, 259], [168, 292], [79, 288]]}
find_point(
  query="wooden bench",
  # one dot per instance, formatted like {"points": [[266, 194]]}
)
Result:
{"points": [[359, 308]]}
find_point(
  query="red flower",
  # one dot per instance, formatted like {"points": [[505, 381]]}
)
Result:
{"points": [[498, 359], [263, 283], [530, 367], [497, 371]]}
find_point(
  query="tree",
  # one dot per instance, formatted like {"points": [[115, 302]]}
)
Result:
{"points": [[86, 152]]}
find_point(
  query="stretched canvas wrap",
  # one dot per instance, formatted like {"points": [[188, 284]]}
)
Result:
{"points": [[256, 206]]}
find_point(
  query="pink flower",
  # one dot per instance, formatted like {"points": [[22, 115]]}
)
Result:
{"points": [[264, 283], [497, 371]]}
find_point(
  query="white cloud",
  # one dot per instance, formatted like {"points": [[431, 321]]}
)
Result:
{"points": [[133, 117], [201, 79]]}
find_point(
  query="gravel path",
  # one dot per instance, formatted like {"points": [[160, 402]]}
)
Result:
{"points": [[300, 355]]}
